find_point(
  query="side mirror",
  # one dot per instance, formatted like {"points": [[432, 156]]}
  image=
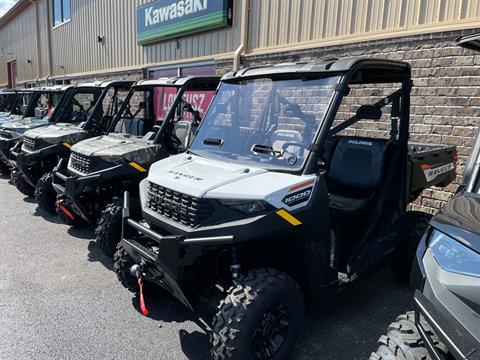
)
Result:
{"points": [[369, 112]]}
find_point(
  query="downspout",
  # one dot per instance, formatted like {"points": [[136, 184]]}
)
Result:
{"points": [[243, 35], [49, 43], [39, 48]]}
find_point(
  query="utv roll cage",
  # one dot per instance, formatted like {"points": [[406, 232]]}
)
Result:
{"points": [[97, 112], [193, 82], [37, 93], [12, 106], [353, 70]]}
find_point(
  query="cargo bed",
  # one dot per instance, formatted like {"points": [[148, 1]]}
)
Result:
{"points": [[429, 165]]}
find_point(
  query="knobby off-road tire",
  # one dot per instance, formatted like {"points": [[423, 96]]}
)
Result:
{"points": [[122, 264], [21, 184], [403, 341], [263, 300], [45, 194], [108, 232], [409, 232], [4, 168]]}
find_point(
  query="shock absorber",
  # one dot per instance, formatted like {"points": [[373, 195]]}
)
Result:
{"points": [[235, 268]]}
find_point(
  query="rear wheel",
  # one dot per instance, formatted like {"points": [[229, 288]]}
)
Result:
{"points": [[45, 194], [410, 231], [21, 184], [122, 264], [260, 318], [109, 229]]}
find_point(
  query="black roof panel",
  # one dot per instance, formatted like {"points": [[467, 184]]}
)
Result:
{"points": [[326, 66]]}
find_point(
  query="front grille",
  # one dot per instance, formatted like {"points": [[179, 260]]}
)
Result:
{"points": [[82, 163], [30, 144], [182, 208]]}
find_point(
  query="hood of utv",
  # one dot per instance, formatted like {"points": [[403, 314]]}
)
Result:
{"points": [[201, 177], [20, 126], [53, 134], [118, 148]]}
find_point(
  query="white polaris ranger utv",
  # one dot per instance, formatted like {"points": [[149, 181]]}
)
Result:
{"points": [[284, 195]]}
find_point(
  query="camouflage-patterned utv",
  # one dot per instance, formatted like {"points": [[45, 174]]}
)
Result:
{"points": [[43, 108], [159, 118], [88, 112]]}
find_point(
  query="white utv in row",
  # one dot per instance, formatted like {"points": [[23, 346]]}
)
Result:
{"points": [[281, 197]]}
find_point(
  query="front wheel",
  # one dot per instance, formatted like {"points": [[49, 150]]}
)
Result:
{"points": [[403, 341], [122, 264], [4, 168], [21, 184], [45, 194], [109, 229], [260, 318]]}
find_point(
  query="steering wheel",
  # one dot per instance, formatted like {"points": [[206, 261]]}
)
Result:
{"points": [[292, 158], [286, 144], [99, 126]]}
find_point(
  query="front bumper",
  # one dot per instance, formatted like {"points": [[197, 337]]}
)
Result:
{"points": [[440, 302], [175, 252], [78, 192], [7, 144], [31, 164]]}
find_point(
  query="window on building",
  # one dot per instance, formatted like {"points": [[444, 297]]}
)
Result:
{"points": [[62, 81], [61, 11], [184, 70]]}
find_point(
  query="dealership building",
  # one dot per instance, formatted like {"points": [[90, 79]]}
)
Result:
{"points": [[72, 41]]}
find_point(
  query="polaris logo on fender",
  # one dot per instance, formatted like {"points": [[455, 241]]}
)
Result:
{"points": [[297, 197]]}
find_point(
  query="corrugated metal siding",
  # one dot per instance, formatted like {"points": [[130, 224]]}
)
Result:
{"points": [[276, 23], [273, 24], [75, 43], [18, 37]]}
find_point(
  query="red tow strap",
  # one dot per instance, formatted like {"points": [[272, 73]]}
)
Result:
{"points": [[65, 211], [143, 308]]}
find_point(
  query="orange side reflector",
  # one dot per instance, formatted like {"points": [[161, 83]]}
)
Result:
{"points": [[299, 186]]}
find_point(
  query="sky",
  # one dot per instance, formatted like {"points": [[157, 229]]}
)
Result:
{"points": [[5, 5]]}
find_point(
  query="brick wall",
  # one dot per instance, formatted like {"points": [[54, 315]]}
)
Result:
{"points": [[445, 103]]}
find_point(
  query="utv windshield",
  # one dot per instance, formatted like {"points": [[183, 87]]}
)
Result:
{"points": [[265, 122], [46, 105], [150, 106]]}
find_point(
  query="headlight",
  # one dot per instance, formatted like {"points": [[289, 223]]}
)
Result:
{"points": [[246, 206], [452, 256]]}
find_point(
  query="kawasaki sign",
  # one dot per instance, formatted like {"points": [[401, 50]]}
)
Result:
{"points": [[163, 19]]}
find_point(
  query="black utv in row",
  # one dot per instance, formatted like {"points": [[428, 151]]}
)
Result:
{"points": [[158, 119], [282, 196], [445, 324], [88, 111]]}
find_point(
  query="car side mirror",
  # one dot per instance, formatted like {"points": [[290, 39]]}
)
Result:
{"points": [[369, 112]]}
